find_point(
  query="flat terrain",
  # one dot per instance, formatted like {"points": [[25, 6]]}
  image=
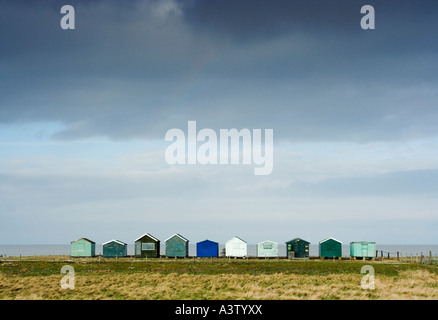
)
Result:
{"points": [[153, 279]]}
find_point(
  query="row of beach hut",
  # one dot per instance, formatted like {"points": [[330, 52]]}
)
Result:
{"points": [[147, 246]]}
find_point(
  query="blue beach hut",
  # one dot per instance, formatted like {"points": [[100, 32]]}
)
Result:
{"points": [[207, 248]]}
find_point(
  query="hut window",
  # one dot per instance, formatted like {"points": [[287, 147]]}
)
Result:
{"points": [[148, 246]]}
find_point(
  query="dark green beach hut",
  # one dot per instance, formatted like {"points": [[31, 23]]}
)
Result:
{"points": [[330, 248], [114, 248], [297, 248], [177, 246], [147, 246]]}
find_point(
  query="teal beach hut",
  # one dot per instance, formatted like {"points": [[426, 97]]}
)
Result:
{"points": [[83, 247], [177, 246], [114, 248], [363, 249]]}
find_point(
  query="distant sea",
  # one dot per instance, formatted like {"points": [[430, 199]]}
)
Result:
{"points": [[42, 250]]}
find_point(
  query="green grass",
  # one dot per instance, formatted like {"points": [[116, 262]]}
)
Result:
{"points": [[205, 267]]}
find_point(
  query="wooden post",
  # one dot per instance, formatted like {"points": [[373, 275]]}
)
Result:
{"points": [[398, 256], [388, 255], [381, 253]]}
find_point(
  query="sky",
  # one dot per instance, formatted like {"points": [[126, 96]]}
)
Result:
{"points": [[84, 113]]}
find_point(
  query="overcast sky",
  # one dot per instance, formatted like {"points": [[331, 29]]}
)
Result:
{"points": [[84, 112]]}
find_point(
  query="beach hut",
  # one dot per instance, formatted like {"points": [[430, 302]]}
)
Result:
{"points": [[83, 247], [236, 247], [114, 248], [267, 249], [177, 246], [363, 249], [147, 246], [207, 248], [330, 248], [297, 248]]}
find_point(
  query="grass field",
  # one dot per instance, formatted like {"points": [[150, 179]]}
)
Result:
{"points": [[163, 279]]}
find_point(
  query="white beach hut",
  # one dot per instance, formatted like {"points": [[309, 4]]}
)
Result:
{"points": [[236, 247], [267, 249]]}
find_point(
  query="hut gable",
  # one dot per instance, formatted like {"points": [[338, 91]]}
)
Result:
{"points": [[85, 239], [177, 235], [147, 236], [296, 240], [240, 239], [330, 238], [114, 240]]}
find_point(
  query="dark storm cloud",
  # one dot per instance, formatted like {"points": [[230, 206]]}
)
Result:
{"points": [[246, 20], [304, 68]]}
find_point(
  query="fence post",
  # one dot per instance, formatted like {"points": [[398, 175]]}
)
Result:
{"points": [[398, 256]]}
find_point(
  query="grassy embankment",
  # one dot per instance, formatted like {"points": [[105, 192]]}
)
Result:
{"points": [[39, 278]]}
